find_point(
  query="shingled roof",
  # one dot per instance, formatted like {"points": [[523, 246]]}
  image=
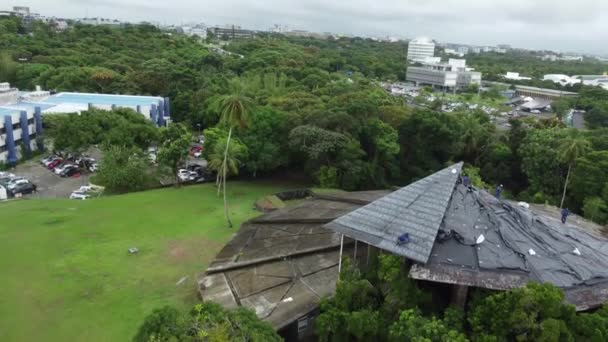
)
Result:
{"points": [[416, 209]]}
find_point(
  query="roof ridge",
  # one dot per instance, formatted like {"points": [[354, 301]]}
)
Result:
{"points": [[424, 201]]}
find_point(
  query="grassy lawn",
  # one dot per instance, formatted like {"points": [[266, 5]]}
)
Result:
{"points": [[66, 272]]}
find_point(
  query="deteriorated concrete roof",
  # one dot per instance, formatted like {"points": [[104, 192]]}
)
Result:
{"points": [[416, 209], [282, 263]]}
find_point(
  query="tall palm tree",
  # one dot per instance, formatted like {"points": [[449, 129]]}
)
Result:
{"points": [[570, 149], [234, 109]]}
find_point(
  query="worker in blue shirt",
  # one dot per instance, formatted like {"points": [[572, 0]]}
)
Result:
{"points": [[565, 214], [498, 191]]}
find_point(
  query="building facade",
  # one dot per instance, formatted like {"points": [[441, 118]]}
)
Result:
{"points": [[419, 49], [21, 115], [232, 32], [453, 75]]}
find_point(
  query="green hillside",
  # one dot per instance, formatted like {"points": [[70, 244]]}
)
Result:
{"points": [[67, 274]]}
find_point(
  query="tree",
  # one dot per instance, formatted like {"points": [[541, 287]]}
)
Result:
{"points": [[8, 68], [206, 322], [231, 158], [176, 140], [412, 326], [263, 138], [235, 109], [123, 170], [522, 314], [570, 150], [597, 117], [596, 210]]}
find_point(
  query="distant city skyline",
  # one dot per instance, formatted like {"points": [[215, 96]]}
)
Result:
{"points": [[540, 24]]}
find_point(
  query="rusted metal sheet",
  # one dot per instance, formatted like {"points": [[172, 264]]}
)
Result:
{"points": [[493, 280]]}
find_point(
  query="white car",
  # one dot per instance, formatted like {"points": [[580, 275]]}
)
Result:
{"points": [[186, 175], [79, 195], [16, 181], [59, 169]]}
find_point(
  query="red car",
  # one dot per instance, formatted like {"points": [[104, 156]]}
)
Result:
{"points": [[196, 151], [54, 163]]}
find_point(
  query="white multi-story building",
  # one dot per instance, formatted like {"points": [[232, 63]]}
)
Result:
{"points": [[452, 76], [21, 114], [420, 48]]}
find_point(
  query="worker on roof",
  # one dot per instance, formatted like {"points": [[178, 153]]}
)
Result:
{"points": [[565, 214], [498, 191], [403, 239]]}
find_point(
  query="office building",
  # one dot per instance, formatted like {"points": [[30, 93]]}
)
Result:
{"points": [[420, 48], [462, 50], [21, 114], [231, 32], [450, 76]]}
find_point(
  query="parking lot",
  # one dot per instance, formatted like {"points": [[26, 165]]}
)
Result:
{"points": [[49, 185]]}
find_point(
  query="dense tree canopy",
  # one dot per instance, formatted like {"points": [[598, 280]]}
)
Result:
{"points": [[317, 108]]}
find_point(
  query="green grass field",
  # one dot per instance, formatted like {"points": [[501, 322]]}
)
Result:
{"points": [[66, 272]]}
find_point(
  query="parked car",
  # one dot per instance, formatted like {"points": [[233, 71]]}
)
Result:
{"points": [[79, 195], [23, 189], [46, 160], [16, 181], [60, 168], [196, 151], [54, 163], [195, 168], [70, 171]]}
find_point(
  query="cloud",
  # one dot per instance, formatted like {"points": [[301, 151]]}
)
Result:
{"points": [[542, 24]]}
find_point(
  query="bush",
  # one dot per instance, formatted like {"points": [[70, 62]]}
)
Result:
{"points": [[205, 322]]}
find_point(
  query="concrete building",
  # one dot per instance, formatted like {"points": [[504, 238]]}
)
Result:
{"points": [[21, 115], [450, 76], [542, 93], [593, 80], [100, 21], [420, 48], [515, 76], [462, 50], [561, 79], [282, 263], [198, 30], [231, 32]]}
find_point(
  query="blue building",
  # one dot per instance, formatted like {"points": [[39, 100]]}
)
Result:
{"points": [[21, 114]]}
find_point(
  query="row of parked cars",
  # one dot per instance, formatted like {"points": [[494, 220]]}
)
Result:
{"points": [[15, 185], [193, 173], [69, 166]]}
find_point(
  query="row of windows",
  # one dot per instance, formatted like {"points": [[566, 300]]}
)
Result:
{"points": [[3, 148], [16, 126]]}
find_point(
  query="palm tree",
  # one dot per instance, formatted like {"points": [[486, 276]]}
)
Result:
{"points": [[569, 151], [234, 109]]}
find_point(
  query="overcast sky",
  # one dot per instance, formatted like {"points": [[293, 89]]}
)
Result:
{"points": [[580, 25]]}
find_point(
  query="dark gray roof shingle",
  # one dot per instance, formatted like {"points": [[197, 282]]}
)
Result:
{"points": [[416, 209]]}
